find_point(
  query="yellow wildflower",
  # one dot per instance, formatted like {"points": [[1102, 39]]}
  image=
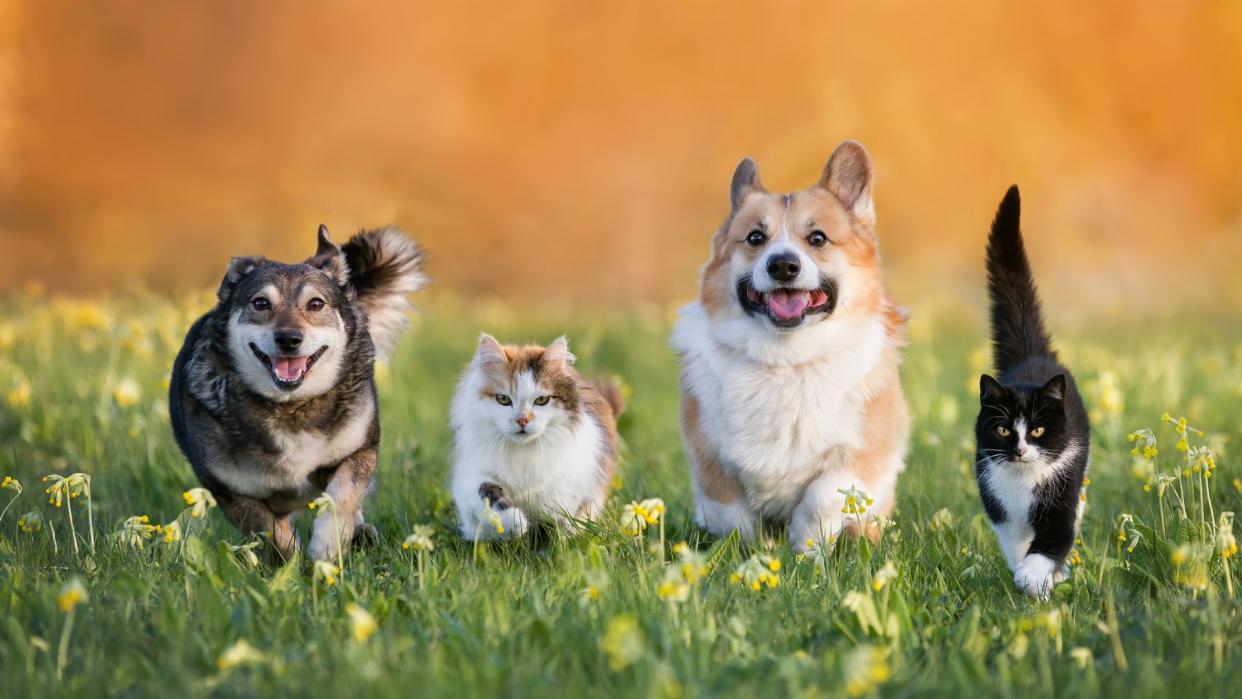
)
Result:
{"points": [[674, 587], [652, 510], [127, 393], [19, 395], [1190, 565], [856, 501], [136, 531], [633, 520], [240, 653], [1226, 543], [420, 540], [883, 576], [200, 501], [756, 572], [71, 595], [326, 572], [866, 668], [11, 483], [171, 531], [623, 642], [361, 623], [30, 522]]}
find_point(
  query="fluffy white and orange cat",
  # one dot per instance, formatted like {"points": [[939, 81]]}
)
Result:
{"points": [[533, 440]]}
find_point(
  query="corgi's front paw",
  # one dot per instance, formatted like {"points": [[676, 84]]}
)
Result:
{"points": [[1036, 575]]}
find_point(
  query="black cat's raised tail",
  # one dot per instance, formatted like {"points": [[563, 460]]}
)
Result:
{"points": [[1018, 330]]}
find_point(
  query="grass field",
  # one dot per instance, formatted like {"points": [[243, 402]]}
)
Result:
{"points": [[1152, 607]]}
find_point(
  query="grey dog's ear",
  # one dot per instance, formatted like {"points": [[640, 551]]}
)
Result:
{"points": [[239, 267], [330, 259], [745, 181]]}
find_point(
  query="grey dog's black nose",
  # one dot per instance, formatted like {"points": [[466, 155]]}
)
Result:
{"points": [[288, 340], [784, 267]]}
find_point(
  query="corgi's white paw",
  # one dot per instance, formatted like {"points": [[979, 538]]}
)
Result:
{"points": [[1036, 575]]}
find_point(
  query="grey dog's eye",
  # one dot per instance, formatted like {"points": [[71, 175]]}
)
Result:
{"points": [[503, 399], [315, 304], [261, 304]]}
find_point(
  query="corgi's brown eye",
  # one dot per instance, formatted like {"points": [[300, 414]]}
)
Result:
{"points": [[1002, 431], [542, 400], [261, 304], [1037, 432], [817, 239], [315, 304], [503, 399], [756, 238]]}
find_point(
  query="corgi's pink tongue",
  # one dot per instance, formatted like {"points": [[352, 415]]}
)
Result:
{"points": [[788, 305], [289, 368]]}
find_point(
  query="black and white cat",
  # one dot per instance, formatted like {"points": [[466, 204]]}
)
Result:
{"points": [[1032, 435]]}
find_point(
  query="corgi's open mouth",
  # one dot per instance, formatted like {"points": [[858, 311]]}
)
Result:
{"points": [[288, 372], [787, 308]]}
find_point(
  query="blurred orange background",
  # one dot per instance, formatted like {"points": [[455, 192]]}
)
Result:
{"points": [[574, 150]]}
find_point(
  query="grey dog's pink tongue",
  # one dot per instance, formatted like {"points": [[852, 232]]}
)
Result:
{"points": [[787, 304], [289, 368]]}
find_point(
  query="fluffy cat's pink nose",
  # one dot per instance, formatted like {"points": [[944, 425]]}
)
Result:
{"points": [[522, 420]]}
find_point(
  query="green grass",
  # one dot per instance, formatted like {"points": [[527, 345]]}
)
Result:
{"points": [[506, 620]]}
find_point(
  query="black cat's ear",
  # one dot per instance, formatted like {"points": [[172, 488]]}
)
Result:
{"points": [[989, 388], [1054, 389]]}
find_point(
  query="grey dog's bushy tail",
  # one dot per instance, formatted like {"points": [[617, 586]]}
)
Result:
{"points": [[1018, 330], [610, 390], [384, 267]]}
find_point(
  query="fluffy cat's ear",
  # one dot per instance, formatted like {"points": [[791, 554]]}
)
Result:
{"points": [[745, 181], [329, 258], [989, 388], [849, 176], [238, 267], [558, 352], [1054, 389], [489, 351]]}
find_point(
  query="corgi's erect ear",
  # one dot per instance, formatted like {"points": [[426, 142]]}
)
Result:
{"points": [[489, 351], [330, 259], [745, 181], [989, 388], [558, 352], [849, 176], [239, 267]]}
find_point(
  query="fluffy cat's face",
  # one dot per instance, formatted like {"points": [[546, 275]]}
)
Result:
{"points": [[522, 393], [1021, 424]]}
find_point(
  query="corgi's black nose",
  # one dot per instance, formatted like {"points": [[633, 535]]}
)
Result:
{"points": [[784, 267], [288, 340]]}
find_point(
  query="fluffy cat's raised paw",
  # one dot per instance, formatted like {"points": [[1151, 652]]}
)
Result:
{"points": [[1036, 575]]}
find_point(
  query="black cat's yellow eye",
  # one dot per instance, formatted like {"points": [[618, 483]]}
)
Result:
{"points": [[503, 399], [1037, 432], [542, 400], [1002, 431]]}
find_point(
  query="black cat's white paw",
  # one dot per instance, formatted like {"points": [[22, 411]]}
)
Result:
{"points": [[1036, 575]]}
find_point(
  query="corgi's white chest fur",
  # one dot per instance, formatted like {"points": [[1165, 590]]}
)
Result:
{"points": [[556, 474], [777, 423]]}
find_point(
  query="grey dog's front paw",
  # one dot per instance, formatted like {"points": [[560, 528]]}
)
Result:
{"points": [[365, 535]]}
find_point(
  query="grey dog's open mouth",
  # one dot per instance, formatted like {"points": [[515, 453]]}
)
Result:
{"points": [[288, 372], [787, 308]]}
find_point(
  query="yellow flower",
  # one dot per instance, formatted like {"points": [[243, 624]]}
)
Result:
{"points": [[200, 501], [590, 593], [674, 587], [1081, 657], [62, 487], [19, 395], [324, 503], [1190, 565], [756, 572], [622, 642], [136, 531], [11, 483], [246, 553], [883, 576], [240, 653], [127, 393], [856, 501], [866, 668], [30, 522], [1226, 543], [420, 540], [652, 510], [361, 623], [633, 520], [71, 595], [171, 531], [326, 572], [493, 518]]}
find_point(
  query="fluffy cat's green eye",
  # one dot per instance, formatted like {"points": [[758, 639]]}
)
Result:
{"points": [[503, 399], [1037, 432], [542, 400], [1002, 431]]}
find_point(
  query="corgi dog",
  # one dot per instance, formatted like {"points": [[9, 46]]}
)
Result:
{"points": [[792, 410]]}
